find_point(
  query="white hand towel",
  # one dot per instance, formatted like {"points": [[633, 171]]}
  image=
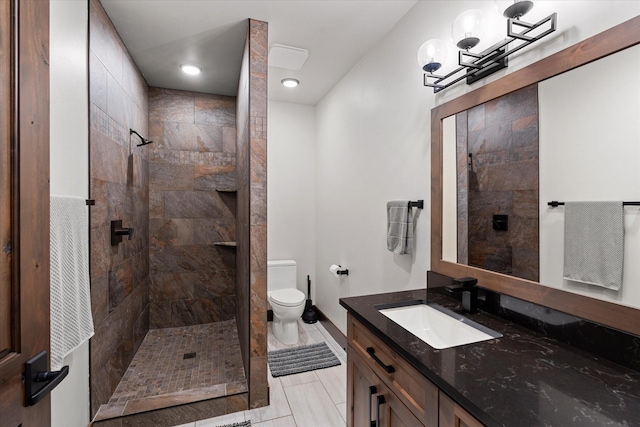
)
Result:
{"points": [[71, 320], [594, 243], [399, 226]]}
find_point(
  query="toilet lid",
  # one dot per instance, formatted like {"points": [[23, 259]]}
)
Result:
{"points": [[287, 297]]}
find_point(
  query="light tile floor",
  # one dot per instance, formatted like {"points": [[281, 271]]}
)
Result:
{"points": [[309, 399]]}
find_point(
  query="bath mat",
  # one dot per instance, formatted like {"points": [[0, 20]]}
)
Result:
{"points": [[301, 359], [242, 424]]}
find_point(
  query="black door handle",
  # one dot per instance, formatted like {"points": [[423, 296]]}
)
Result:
{"points": [[38, 382]]}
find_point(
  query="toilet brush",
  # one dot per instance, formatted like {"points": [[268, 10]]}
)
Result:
{"points": [[309, 315]]}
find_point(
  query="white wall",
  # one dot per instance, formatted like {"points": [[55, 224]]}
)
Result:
{"points": [[69, 170], [373, 141], [291, 188]]}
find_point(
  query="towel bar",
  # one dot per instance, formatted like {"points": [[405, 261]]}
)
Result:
{"points": [[418, 204], [555, 204]]}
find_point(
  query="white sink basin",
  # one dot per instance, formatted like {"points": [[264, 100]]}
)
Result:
{"points": [[439, 327]]}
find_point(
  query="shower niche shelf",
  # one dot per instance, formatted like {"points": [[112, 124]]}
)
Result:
{"points": [[226, 190], [226, 244]]}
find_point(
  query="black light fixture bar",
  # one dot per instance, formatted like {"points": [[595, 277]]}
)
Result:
{"points": [[493, 58]]}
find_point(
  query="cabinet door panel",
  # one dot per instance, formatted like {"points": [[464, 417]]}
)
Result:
{"points": [[394, 413], [452, 415], [359, 394]]}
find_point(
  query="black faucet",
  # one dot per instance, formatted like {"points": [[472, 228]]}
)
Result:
{"points": [[468, 287]]}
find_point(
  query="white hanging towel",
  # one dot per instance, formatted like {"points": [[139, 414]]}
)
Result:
{"points": [[594, 243], [71, 320], [399, 226]]}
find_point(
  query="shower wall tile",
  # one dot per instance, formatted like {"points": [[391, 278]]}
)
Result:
{"points": [[171, 232], [251, 211], [209, 231], [140, 328], [194, 312], [120, 283], [119, 178], [169, 106], [172, 286], [159, 313], [104, 41], [229, 140], [190, 275], [100, 298], [192, 137], [100, 249], [156, 204], [108, 159], [98, 82], [116, 100], [211, 177], [195, 204], [219, 111], [171, 176], [161, 155]]}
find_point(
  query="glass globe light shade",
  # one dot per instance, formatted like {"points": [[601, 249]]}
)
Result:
{"points": [[432, 55], [468, 28], [513, 8]]}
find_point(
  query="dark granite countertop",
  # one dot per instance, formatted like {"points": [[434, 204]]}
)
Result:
{"points": [[523, 379]]}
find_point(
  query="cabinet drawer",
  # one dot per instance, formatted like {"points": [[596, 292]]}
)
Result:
{"points": [[412, 388]]}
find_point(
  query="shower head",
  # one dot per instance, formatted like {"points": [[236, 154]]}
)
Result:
{"points": [[144, 140]]}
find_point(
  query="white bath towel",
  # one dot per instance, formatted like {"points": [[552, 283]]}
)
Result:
{"points": [[399, 226], [71, 320], [594, 243]]}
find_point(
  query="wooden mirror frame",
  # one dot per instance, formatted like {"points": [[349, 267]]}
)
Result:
{"points": [[607, 313]]}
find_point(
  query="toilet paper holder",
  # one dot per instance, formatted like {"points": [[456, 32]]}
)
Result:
{"points": [[338, 271]]}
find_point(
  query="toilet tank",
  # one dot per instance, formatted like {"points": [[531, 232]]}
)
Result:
{"points": [[281, 274]]}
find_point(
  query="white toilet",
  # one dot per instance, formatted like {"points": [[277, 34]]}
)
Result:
{"points": [[287, 302]]}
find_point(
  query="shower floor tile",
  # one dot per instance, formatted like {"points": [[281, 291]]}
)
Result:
{"points": [[180, 365]]}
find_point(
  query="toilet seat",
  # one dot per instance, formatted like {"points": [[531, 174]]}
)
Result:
{"points": [[287, 297]]}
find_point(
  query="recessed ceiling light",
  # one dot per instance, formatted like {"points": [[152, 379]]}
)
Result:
{"points": [[190, 69], [289, 82]]}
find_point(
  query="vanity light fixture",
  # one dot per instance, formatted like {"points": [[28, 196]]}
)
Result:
{"points": [[190, 69], [467, 30], [290, 82]]}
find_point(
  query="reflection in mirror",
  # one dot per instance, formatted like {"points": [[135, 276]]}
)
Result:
{"points": [[590, 151], [491, 151]]}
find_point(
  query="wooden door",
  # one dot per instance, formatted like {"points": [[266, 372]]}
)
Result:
{"points": [[24, 203]]}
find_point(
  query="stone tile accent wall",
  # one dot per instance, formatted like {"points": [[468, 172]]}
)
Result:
{"points": [[502, 136], [252, 211], [119, 179], [192, 169]]}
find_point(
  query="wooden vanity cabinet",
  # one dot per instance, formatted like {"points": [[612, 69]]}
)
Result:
{"points": [[384, 390]]}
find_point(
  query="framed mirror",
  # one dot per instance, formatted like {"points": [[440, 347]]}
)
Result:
{"points": [[443, 261]]}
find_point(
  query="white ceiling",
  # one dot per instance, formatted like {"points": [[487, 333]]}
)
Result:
{"points": [[162, 34]]}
